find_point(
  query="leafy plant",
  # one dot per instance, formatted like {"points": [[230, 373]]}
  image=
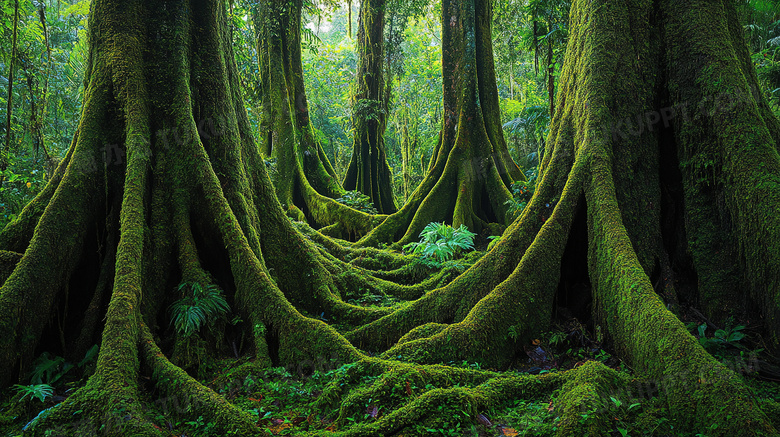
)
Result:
{"points": [[442, 242], [358, 201], [722, 337], [521, 195], [494, 239], [198, 305], [48, 369], [37, 391]]}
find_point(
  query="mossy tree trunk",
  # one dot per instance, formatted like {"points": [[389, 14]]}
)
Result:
{"points": [[186, 198], [162, 185], [470, 171], [368, 171], [305, 181], [659, 187]]}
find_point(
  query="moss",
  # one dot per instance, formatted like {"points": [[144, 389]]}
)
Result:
{"points": [[8, 262], [205, 209], [728, 147], [582, 402]]}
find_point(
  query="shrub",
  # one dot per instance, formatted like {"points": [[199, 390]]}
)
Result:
{"points": [[198, 305], [442, 242]]}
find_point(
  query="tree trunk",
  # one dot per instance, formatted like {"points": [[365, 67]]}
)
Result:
{"points": [[471, 170], [7, 146], [664, 154], [368, 171], [179, 197], [305, 181], [186, 198]]}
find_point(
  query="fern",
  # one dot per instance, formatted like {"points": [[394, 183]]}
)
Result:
{"points": [[357, 200], [199, 304], [442, 242], [494, 239], [38, 391]]}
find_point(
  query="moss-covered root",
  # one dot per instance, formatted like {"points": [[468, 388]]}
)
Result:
{"points": [[425, 396], [453, 302], [700, 390], [514, 310], [193, 396], [8, 261], [581, 401], [336, 219], [258, 298], [99, 408]]}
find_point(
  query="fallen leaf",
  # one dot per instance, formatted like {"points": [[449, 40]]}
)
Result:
{"points": [[277, 429]]}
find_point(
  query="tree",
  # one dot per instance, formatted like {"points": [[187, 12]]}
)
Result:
{"points": [[191, 202], [368, 171], [8, 133], [305, 181], [470, 170]]}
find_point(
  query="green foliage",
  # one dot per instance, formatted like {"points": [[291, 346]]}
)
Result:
{"points": [[529, 126], [533, 417], [46, 97], [521, 195], [494, 239], [199, 305], [357, 200], [37, 391], [442, 242], [49, 370], [723, 337]]}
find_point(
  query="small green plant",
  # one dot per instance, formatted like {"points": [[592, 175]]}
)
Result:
{"points": [[442, 242], [37, 391], [723, 337], [357, 200], [198, 305], [556, 338], [521, 195], [494, 239], [49, 370]]}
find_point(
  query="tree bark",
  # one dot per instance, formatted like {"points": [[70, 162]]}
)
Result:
{"points": [[368, 171], [186, 198], [471, 170], [305, 181]]}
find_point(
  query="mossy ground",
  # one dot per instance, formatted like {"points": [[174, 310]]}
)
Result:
{"points": [[569, 381]]}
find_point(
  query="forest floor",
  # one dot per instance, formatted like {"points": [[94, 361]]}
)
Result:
{"points": [[284, 400]]}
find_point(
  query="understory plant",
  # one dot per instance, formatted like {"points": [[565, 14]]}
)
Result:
{"points": [[199, 305], [37, 391], [441, 242], [357, 200], [522, 191]]}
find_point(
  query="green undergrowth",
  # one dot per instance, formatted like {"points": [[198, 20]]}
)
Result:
{"points": [[51, 380], [22, 181], [565, 383]]}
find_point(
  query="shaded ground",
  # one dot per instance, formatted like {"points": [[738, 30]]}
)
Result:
{"points": [[299, 400]]}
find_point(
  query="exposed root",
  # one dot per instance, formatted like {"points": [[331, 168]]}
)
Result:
{"points": [[192, 396]]}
